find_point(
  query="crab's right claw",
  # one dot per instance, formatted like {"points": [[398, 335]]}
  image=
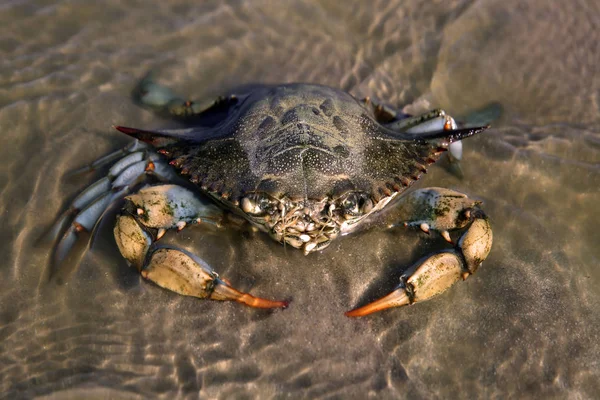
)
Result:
{"points": [[190, 276], [438, 272]]}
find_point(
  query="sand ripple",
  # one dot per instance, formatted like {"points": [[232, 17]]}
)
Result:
{"points": [[524, 326]]}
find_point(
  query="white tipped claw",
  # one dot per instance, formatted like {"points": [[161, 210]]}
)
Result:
{"points": [[455, 151], [446, 236]]}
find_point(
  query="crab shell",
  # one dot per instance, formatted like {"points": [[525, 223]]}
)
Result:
{"points": [[302, 162]]}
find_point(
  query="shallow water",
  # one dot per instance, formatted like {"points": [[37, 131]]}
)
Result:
{"points": [[525, 325]]}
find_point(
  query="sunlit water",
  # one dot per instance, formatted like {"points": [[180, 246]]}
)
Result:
{"points": [[526, 325]]}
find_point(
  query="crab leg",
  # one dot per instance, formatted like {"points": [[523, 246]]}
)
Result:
{"points": [[88, 207], [84, 198], [435, 120], [164, 101], [441, 210], [96, 189], [120, 154], [432, 123], [84, 221], [144, 218]]}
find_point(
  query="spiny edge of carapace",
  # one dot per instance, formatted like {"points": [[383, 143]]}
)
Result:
{"points": [[379, 191], [420, 164]]}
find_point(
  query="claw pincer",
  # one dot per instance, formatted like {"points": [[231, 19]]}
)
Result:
{"points": [[419, 283], [440, 271], [188, 275], [155, 209]]}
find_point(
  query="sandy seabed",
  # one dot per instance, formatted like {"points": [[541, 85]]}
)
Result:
{"points": [[526, 325]]}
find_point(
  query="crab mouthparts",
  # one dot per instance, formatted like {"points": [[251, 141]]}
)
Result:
{"points": [[314, 237], [310, 226], [307, 224]]}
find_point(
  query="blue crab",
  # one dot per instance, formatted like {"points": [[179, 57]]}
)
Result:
{"points": [[304, 163]]}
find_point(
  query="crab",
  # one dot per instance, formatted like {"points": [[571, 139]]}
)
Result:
{"points": [[304, 163]]}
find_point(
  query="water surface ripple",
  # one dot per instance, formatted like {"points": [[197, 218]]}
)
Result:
{"points": [[526, 325]]}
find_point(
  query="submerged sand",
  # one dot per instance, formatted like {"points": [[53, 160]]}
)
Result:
{"points": [[526, 325]]}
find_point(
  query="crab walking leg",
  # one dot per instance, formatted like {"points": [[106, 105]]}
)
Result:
{"points": [[94, 191], [83, 222], [88, 208], [432, 121], [134, 147], [103, 185], [163, 100], [448, 210], [144, 218]]}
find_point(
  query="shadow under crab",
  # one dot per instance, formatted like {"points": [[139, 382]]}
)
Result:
{"points": [[304, 163]]}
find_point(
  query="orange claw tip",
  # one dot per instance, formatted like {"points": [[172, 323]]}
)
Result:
{"points": [[258, 302], [397, 298], [223, 291]]}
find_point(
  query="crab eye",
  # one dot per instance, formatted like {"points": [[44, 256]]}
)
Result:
{"points": [[366, 205], [350, 204], [257, 205], [356, 204], [253, 206]]}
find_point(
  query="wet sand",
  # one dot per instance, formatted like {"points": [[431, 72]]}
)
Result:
{"points": [[526, 325]]}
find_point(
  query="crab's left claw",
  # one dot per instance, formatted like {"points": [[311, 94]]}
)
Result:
{"points": [[143, 220], [188, 275], [440, 271]]}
